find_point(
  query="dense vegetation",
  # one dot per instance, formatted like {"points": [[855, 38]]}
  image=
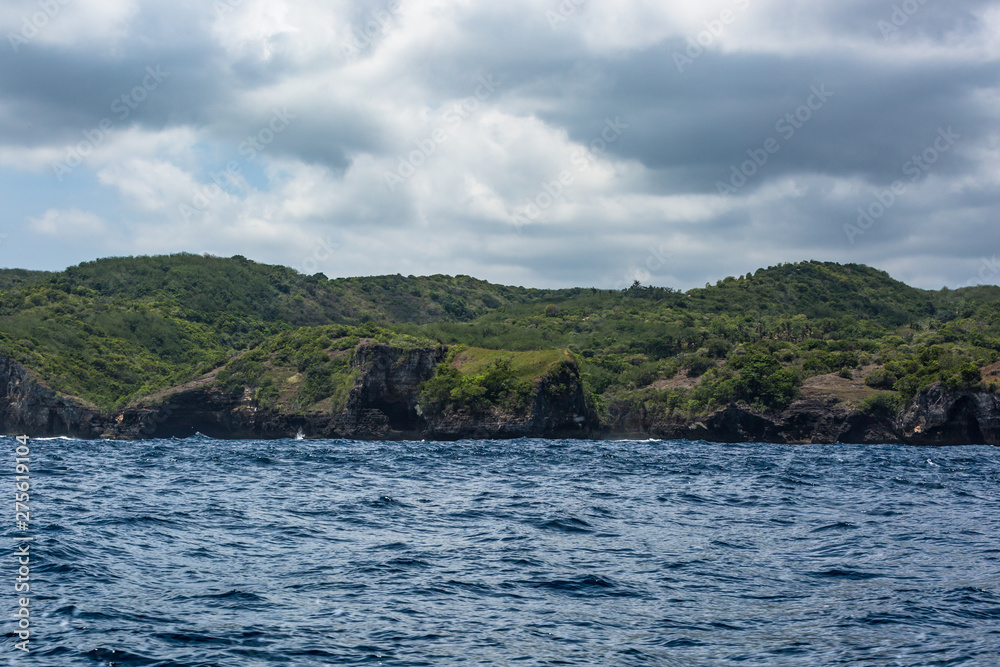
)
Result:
{"points": [[115, 330], [477, 380], [308, 367]]}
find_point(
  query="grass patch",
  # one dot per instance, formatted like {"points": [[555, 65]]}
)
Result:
{"points": [[529, 366]]}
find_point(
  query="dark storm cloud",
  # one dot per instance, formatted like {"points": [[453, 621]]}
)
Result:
{"points": [[696, 127], [365, 84]]}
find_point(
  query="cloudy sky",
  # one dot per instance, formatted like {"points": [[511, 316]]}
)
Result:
{"points": [[533, 142]]}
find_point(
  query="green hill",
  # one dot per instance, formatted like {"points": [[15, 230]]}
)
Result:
{"points": [[10, 278], [116, 330], [819, 290]]}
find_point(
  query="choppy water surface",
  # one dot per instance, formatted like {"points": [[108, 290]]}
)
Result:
{"points": [[206, 552]]}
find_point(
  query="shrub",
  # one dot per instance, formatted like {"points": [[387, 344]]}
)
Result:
{"points": [[497, 386], [718, 347], [881, 379], [908, 386], [967, 377], [763, 382], [696, 366], [883, 404]]}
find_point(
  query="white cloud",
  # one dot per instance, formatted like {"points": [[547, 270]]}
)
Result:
{"points": [[70, 223], [150, 185]]}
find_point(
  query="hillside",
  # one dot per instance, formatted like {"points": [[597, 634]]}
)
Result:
{"points": [[117, 331]]}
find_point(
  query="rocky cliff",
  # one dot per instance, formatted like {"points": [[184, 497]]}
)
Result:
{"points": [[805, 421], [939, 417], [383, 404], [934, 417], [559, 410], [28, 406]]}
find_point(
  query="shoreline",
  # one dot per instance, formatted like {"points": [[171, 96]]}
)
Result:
{"points": [[383, 405]]}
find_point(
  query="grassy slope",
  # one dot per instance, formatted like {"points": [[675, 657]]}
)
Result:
{"points": [[527, 365]]}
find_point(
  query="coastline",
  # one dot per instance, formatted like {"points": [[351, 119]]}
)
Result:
{"points": [[383, 406]]}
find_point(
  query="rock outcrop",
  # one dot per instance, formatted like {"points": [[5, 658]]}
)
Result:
{"points": [[28, 406], [805, 421], [382, 405], [559, 410], [940, 417], [388, 386]]}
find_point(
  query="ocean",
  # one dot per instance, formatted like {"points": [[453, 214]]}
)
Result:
{"points": [[525, 552]]}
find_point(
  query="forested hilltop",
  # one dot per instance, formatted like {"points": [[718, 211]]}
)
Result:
{"points": [[121, 331]]}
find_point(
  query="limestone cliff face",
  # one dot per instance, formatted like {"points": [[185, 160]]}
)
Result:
{"points": [[202, 410], [29, 407], [939, 417], [805, 421], [383, 404], [934, 417], [388, 386]]}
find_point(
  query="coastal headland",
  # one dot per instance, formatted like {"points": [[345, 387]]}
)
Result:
{"points": [[171, 346]]}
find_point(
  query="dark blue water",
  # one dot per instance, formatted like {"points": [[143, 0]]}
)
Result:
{"points": [[205, 552]]}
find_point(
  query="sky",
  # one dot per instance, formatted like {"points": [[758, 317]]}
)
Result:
{"points": [[527, 142]]}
